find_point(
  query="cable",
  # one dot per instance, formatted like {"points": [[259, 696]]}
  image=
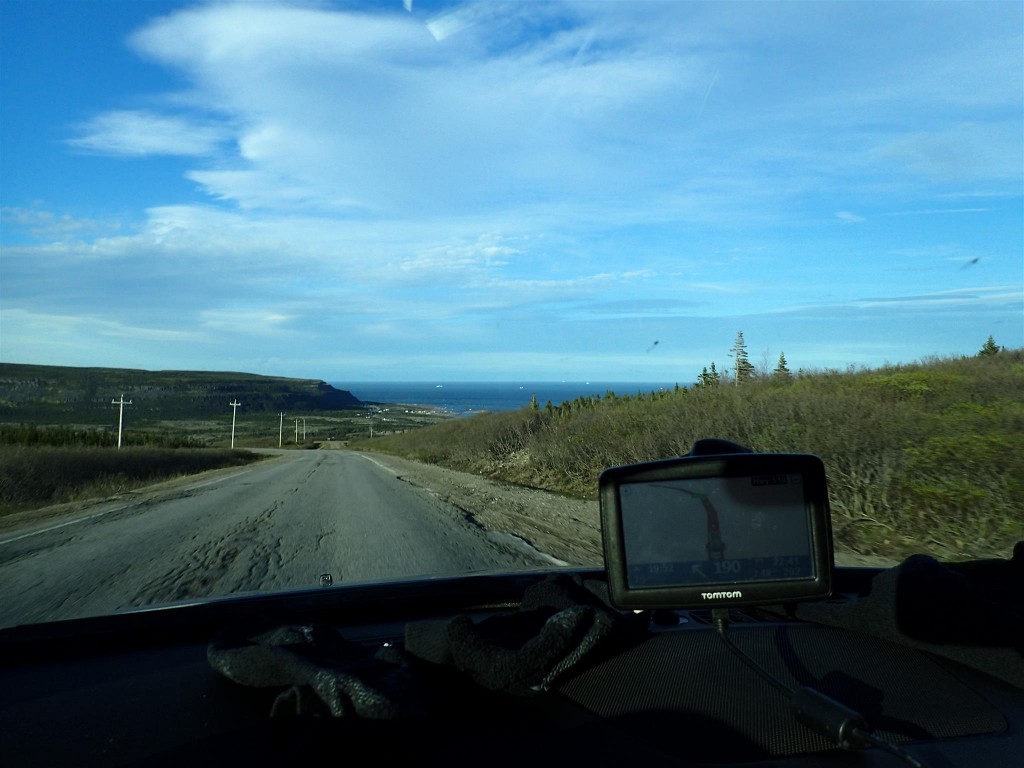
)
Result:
{"points": [[720, 616], [823, 715], [892, 749]]}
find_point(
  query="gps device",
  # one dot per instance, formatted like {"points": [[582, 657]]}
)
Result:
{"points": [[716, 531]]}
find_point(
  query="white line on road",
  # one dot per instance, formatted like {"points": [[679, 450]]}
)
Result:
{"points": [[382, 466], [61, 525], [218, 479]]}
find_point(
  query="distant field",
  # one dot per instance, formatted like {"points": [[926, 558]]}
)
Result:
{"points": [[252, 430], [52, 464]]}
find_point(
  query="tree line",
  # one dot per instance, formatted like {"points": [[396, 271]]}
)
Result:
{"points": [[63, 436], [743, 371]]}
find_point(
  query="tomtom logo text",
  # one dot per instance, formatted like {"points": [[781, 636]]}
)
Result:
{"points": [[720, 595]]}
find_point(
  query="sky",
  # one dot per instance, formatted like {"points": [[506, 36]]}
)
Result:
{"points": [[522, 191]]}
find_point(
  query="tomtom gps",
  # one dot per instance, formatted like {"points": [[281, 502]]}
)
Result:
{"points": [[715, 531]]}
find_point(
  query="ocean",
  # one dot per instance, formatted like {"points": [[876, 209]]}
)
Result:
{"points": [[467, 398]]}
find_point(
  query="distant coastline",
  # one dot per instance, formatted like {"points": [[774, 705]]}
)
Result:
{"points": [[467, 398]]}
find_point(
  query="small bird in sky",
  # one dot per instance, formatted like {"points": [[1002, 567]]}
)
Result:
{"points": [[653, 346], [973, 261]]}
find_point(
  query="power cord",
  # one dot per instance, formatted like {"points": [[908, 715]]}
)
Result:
{"points": [[821, 714]]}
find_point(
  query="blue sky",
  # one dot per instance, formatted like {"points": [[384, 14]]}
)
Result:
{"points": [[508, 191]]}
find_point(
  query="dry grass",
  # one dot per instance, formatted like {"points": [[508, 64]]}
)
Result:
{"points": [[32, 476], [925, 457]]}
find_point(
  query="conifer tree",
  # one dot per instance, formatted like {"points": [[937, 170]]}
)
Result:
{"points": [[707, 378], [713, 378], [989, 348], [743, 368], [782, 370]]}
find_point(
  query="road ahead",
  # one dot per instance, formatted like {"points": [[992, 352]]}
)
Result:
{"points": [[275, 525]]}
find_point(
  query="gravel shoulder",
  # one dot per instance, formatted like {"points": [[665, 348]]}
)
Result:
{"points": [[565, 528]]}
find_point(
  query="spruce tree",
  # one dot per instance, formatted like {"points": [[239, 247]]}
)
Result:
{"points": [[743, 368], [782, 370], [707, 378], [989, 348]]}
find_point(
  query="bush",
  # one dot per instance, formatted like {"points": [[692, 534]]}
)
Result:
{"points": [[915, 454], [37, 475]]}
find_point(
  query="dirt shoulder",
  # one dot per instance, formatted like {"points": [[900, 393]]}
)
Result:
{"points": [[564, 528]]}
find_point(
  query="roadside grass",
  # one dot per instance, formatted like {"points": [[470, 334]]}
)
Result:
{"points": [[926, 457], [38, 475]]}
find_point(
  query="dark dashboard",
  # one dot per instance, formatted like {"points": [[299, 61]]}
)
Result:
{"points": [[140, 688]]}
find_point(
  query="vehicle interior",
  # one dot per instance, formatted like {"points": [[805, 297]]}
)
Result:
{"points": [[921, 664], [455, 382]]}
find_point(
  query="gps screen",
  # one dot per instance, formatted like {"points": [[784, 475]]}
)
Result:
{"points": [[716, 530]]}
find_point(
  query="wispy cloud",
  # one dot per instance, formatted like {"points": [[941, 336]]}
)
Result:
{"points": [[245, 321], [138, 133], [47, 225], [989, 295], [935, 211], [20, 325]]}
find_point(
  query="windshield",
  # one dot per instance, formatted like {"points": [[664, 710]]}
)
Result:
{"points": [[322, 293]]}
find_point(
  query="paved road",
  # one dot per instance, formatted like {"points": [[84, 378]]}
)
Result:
{"points": [[275, 525]]}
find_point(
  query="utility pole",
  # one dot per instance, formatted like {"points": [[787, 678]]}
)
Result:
{"points": [[280, 431], [296, 430], [303, 429], [120, 417], [234, 410]]}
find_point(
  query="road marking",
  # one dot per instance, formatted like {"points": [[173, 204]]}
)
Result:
{"points": [[382, 466], [218, 479], [112, 509], [62, 525]]}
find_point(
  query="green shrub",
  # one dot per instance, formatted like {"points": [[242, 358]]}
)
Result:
{"points": [[36, 475], [930, 453]]}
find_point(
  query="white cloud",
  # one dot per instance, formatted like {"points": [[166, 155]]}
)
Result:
{"points": [[47, 225], [138, 133], [368, 107], [247, 321], [491, 251], [36, 336], [446, 24], [368, 178], [368, 114]]}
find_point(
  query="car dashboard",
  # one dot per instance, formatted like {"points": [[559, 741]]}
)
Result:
{"points": [[140, 689]]}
